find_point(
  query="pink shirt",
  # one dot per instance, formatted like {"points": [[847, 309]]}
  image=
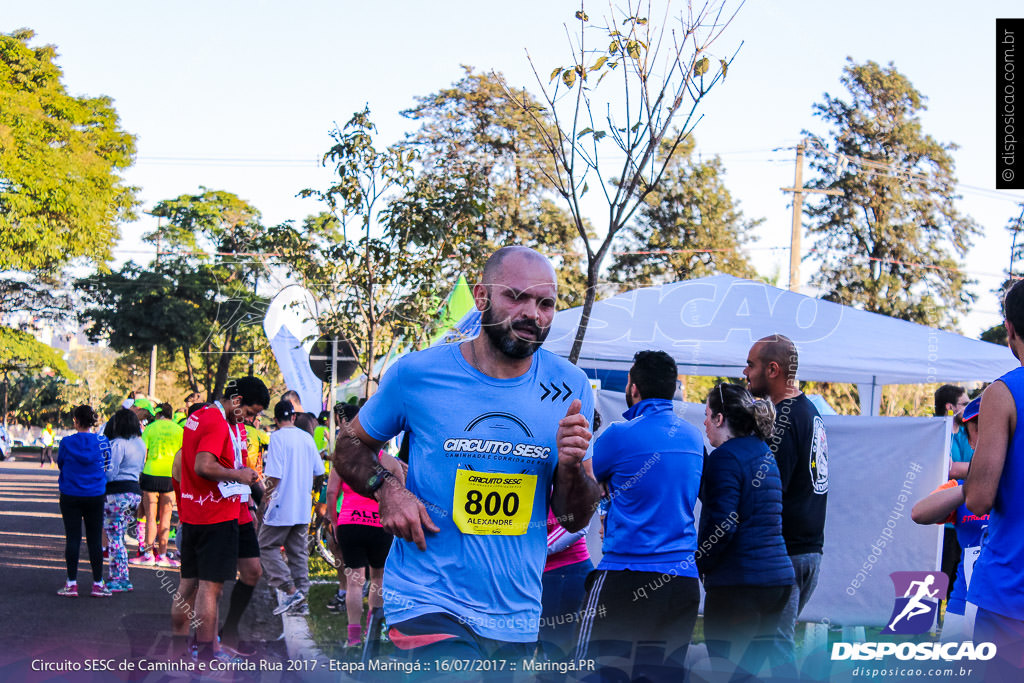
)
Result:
{"points": [[577, 552], [357, 509]]}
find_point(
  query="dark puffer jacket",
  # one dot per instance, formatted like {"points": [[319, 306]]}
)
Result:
{"points": [[740, 540]]}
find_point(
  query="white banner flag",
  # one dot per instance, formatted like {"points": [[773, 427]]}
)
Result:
{"points": [[291, 329]]}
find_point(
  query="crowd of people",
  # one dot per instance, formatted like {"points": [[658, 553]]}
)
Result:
{"points": [[504, 464], [473, 542], [244, 498], [105, 477]]}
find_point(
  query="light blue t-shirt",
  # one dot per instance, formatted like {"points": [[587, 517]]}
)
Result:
{"points": [[959, 448], [479, 449]]}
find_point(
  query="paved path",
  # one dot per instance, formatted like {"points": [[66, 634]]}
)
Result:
{"points": [[38, 628]]}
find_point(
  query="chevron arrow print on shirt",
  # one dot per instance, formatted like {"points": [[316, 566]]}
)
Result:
{"points": [[554, 391]]}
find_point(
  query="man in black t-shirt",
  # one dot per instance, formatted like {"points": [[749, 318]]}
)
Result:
{"points": [[801, 452]]}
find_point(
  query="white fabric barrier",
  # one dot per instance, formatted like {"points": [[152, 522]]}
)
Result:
{"points": [[291, 330], [878, 468]]}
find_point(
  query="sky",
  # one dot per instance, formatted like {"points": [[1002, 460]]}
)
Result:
{"points": [[241, 96]]}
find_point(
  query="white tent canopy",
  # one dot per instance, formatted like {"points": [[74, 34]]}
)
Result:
{"points": [[709, 324]]}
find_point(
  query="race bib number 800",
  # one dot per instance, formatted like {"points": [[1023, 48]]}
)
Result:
{"points": [[489, 503]]}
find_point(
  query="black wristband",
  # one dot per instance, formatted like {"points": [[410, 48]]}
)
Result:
{"points": [[374, 483]]}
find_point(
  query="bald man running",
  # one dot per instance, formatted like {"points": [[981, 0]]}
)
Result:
{"points": [[493, 423], [801, 452]]}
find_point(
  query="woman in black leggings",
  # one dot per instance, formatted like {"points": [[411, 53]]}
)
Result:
{"points": [[81, 458]]}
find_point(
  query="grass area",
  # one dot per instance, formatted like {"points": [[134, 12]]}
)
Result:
{"points": [[320, 570], [330, 629]]}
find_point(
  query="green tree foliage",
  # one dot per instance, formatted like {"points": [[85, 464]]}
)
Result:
{"points": [[377, 282], [33, 376], [619, 140], [473, 136], [890, 243], [102, 384], [198, 297], [61, 195], [20, 350], [997, 333], [37, 399], [167, 306], [690, 226]]}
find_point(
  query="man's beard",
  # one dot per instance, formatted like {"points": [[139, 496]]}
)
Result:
{"points": [[761, 392], [503, 338]]}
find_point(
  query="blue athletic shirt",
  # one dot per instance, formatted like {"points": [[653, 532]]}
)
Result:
{"points": [[653, 465], [997, 584], [969, 531], [480, 449]]}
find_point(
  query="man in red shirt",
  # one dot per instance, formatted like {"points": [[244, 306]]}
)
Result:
{"points": [[249, 567], [214, 483]]}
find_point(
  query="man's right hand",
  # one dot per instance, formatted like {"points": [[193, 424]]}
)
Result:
{"points": [[403, 515], [246, 475]]}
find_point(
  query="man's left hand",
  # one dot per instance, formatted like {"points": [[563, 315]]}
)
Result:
{"points": [[573, 436]]}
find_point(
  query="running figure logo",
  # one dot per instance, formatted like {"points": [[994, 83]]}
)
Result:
{"points": [[917, 601]]}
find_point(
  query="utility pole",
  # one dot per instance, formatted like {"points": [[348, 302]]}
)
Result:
{"points": [[152, 353], [332, 390], [798, 191], [152, 371]]}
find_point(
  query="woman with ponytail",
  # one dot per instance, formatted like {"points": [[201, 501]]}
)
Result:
{"points": [[742, 557]]}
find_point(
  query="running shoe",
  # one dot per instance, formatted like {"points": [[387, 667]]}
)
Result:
{"points": [[100, 591], [290, 601], [240, 648], [337, 603], [146, 560], [166, 561], [120, 586], [70, 590]]}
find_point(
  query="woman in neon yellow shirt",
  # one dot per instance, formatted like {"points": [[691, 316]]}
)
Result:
{"points": [[163, 439]]}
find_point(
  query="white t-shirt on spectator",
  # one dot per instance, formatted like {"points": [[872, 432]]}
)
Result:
{"points": [[293, 459]]}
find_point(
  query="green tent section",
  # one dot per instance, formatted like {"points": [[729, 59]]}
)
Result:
{"points": [[460, 302]]}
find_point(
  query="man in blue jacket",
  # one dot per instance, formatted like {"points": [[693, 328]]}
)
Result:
{"points": [[646, 588]]}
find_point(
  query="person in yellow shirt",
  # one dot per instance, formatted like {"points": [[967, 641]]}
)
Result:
{"points": [[163, 439], [47, 437], [257, 441]]}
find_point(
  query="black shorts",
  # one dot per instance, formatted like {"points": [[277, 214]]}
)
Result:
{"points": [[362, 545], [147, 482], [209, 552], [248, 546]]}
